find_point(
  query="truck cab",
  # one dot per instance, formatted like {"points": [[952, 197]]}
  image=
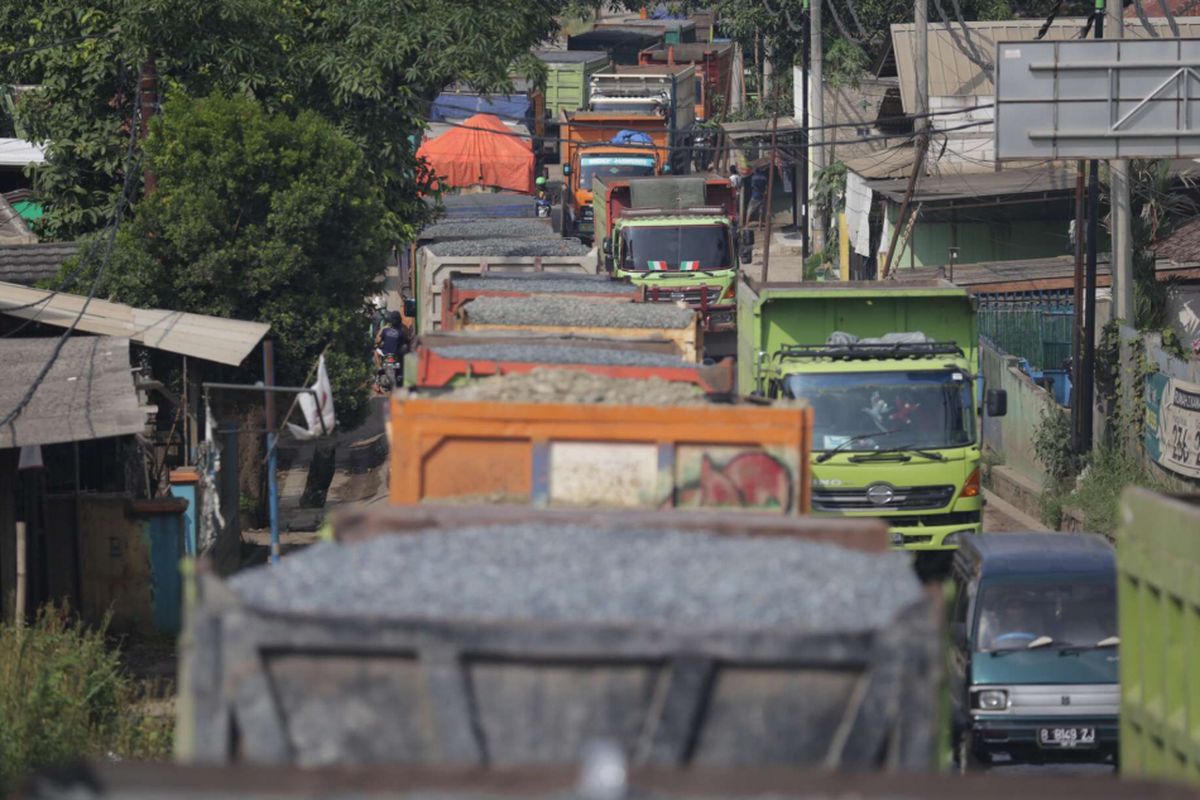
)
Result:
{"points": [[677, 237], [891, 373], [1033, 659], [592, 162]]}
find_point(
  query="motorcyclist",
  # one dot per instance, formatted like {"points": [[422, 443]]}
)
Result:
{"points": [[390, 341], [542, 196]]}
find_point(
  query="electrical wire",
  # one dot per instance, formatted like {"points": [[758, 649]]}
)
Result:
{"points": [[967, 47], [1165, 5], [132, 161], [1049, 21], [11, 54], [1141, 15]]}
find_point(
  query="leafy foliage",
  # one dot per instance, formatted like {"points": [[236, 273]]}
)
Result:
{"points": [[64, 696], [259, 216], [370, 66]]}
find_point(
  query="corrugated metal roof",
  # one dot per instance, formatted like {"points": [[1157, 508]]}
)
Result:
{"points": [[225, 341], [1010, 182], [953, 74], [87, 394], [28, 263], [19, 153]]}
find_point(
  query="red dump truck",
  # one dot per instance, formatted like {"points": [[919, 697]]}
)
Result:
{"points": [[714, 71], [460, 288], [444, 361]]}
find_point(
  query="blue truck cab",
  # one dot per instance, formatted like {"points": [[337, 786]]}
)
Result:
{"points": [[1033, 654]]}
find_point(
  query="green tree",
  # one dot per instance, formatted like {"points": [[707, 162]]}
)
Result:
{"points": [[370, 66], [264, 217]]}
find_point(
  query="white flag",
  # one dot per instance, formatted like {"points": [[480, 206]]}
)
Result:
{"points": [[318, 409]]}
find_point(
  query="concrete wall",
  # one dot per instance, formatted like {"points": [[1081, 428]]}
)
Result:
{"points": [[130, 552], [1011, 436]]}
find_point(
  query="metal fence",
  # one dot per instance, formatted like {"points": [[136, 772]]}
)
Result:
{"points": [[1033, 326]]}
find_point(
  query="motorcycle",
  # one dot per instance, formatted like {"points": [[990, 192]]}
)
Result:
{"points": [[389, 374]]}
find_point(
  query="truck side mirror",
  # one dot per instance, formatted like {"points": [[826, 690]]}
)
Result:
{"points": [[566, 169], [996, 402], [410, 307], [606, 247], [747, 238], [666, 170]]}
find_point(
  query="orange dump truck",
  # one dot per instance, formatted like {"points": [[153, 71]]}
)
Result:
{"points": [[711, 455]]}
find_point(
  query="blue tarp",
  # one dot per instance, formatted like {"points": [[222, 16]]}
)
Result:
{"points": [[454, 105], [632, 137]]}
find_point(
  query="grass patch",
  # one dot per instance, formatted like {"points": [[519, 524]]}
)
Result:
{"points": [[64, 697], [1097, 490]]}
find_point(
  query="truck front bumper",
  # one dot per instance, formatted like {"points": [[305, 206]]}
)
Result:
{"points": [[1018, 737], [718, 319], [935, 531]]}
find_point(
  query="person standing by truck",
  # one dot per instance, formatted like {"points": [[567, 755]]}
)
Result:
{"points": [[758, 194]]}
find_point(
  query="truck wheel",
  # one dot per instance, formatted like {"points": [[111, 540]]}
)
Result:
{"points": [[556, 219], [965, 758]]}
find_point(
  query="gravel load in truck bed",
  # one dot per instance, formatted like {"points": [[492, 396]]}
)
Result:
{"points": [[488, 229], [589, 574], [501, 245], [575, 312], [560, 354], [544, 283], [549, 385]]}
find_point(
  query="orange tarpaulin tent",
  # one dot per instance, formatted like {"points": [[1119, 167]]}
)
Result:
{"points": [[485, 152]]}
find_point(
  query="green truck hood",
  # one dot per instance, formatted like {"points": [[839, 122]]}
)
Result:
{"points": [[721, 278], [1045, 666], [840, 473]]}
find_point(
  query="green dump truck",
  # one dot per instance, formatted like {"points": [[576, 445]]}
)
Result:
{"points": [[1158, 615], [891, 371], [678, 237]]}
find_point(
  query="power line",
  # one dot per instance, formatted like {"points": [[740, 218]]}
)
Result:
{"points": [[1141, 14], [11, 54], [131, 168]]}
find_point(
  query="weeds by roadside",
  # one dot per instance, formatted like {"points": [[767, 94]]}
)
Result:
{"points": [[65, 697]]}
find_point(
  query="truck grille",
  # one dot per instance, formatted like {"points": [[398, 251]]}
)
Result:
{"points": [[882, 496], [698, 296]]}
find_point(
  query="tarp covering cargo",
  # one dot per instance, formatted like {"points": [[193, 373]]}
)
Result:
{"points": [[458, 106], [482, 153]]}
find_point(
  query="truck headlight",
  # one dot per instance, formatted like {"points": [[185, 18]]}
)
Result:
{"points": [[992, 700]]}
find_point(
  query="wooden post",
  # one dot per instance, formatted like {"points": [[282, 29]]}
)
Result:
{"points": [[19, 600], [767, 205]]}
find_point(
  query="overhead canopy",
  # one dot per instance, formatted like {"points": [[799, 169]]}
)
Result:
{"points": [[958, 187], [225, 341], [483, 152], [460, 105], [87, 394]]}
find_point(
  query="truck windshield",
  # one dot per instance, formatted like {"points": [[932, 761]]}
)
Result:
{"points": [[682, 247], [886, 410], [1012, 615], [613, 167]]}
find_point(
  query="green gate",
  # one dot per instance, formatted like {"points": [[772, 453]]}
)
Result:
{"points": [[1033, 326]]}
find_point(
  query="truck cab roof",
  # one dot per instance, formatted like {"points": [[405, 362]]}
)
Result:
{"points": [[1001, 555]]}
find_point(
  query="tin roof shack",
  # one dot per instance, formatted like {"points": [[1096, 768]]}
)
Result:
{"points": [[701, 640], [71, 529]]}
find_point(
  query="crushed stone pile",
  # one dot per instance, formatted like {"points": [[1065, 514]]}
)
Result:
{"points": [[590, 574], [576, 312], [548, 385], [544, 283], [559, 354], [483, 228], [501, 245]]}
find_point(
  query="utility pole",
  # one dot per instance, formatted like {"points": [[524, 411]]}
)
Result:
{"points": [[1121, 259], [921, 62], [1077, 326], [801, 180], [817, 117], [272, 435], [768, 208], [1087, 373]]}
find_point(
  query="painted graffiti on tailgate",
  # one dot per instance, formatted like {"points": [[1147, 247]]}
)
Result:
{"points": [[732, 477]]}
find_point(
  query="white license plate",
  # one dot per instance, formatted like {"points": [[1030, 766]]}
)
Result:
{"points": [[1067, 738]]}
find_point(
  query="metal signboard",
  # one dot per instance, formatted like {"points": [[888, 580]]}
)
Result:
{"points": [[1101, 99]]}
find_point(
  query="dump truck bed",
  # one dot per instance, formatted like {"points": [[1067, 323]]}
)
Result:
{"points": [[367, 665], [461, 288]]}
